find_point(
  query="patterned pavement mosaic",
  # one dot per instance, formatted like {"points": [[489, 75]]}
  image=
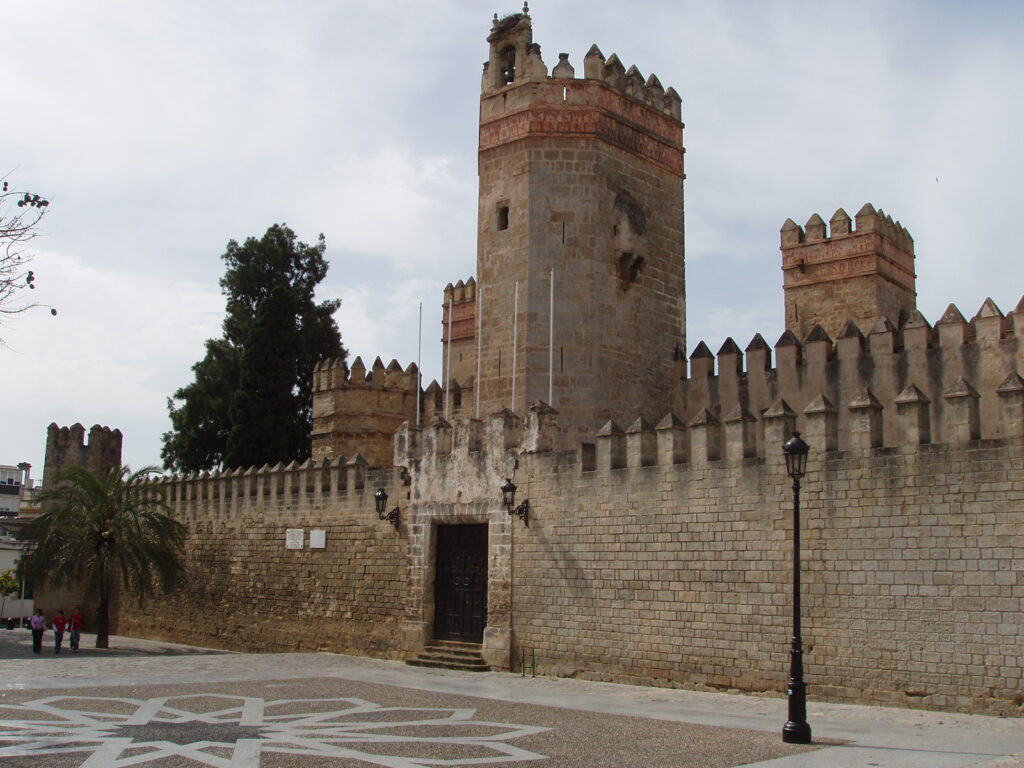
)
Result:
{"points": [[219, 731], [159, 705], [334, 723]]}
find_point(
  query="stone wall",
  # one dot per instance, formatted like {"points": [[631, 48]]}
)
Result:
{"points": [[247, 591], [659, 553], [680, 575], [654, 555]]}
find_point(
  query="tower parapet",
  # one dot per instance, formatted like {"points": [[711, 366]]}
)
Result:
{"points": [[67, 447], [358, 411], [838, 273]]}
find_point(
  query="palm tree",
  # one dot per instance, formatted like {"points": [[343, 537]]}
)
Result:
{"points": [[94, 530]]}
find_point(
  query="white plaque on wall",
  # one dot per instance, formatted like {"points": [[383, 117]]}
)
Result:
{"points": [[293, 538], [317, 539]]}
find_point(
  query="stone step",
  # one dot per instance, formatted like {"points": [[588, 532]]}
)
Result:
{"points": [[451, 654], [448, 664], [464, 644], [446, 658], [437, 653], [467, 653]]}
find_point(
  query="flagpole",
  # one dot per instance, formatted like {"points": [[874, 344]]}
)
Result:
{"points": [[448, 377], [419, 368], [551, 341], [515, 343], [479, 341]]}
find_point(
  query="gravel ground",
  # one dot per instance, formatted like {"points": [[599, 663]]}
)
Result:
{"points": [[163, 706]]}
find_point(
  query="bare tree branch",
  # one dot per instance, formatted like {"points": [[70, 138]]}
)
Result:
{"points": [[20, 215]]}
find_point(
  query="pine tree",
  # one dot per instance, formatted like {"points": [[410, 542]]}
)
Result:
{"points": [[251, 401]]}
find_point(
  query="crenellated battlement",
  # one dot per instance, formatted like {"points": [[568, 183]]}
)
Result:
{"points": [[631, 116], [840, 225], [955, 381], [843, 395], [610, 102], [335, 374], [67, 446], [344, 485], [460, 292], [837, 272], [888, 387], [516, 60], [629, 82], [355, 409]]}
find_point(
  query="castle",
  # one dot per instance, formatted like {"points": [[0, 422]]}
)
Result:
{"points": [[654, 540]]}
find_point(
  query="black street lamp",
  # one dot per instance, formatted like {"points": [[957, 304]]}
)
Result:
{"points": [[796, 730]]}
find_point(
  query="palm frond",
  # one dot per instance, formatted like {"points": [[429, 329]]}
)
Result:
{"points": [[94, 527]]}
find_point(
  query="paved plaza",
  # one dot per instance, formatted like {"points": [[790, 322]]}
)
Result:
{"points": [[163, 706]]}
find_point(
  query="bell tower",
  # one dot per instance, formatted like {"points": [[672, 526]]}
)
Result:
{"points": [[581, 187]]}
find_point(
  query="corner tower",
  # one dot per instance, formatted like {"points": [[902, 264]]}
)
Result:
{"points": [[845, 273], [582, 178]]}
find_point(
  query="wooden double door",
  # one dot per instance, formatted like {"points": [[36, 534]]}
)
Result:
{"points": [[460, 585]]}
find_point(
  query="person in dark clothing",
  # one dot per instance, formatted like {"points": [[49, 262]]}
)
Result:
{"points": [[37, 623]]}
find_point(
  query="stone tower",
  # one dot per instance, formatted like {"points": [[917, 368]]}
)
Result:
{"points": [[582, 177], [847, 274], [67, 446], [461, 341]]}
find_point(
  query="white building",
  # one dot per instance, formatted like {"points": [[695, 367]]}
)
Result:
{"points": [[18, 494]]}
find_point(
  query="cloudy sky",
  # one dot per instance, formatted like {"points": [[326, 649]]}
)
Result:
{"points": [[160, 130]]}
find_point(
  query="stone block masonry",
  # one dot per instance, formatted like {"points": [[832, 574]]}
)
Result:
{"points": [[648, 560], [247, 590], [678, 575], [645, 563]]}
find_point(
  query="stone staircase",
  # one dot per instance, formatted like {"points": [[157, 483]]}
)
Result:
{"points": [[450, 654]]}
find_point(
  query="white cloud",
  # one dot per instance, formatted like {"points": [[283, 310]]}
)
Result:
{"points": [[162, 129], [118, 346]]}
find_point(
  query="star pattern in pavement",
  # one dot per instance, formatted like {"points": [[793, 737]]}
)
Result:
{"points": [[225, 731]]}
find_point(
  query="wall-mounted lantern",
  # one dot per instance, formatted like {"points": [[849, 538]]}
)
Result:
{"points": [[380, 501], [508, 498]]}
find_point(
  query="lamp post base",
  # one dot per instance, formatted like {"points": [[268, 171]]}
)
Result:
{"points": [[796, 730], [796, 733]]}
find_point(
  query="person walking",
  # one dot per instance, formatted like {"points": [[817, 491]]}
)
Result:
{"points": [[59, 622], [37, 623], [76, 623]]}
